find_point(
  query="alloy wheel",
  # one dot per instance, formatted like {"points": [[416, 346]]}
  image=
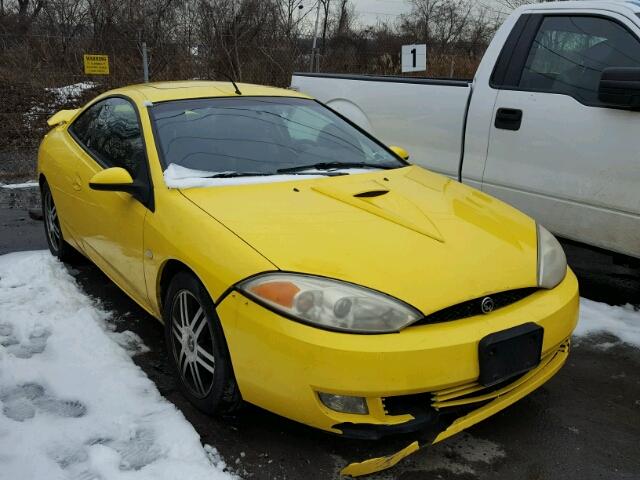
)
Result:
{"points": [[192, 341], [51, 219]]}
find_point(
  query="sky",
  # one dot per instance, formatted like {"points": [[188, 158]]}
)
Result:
{"points": [[370, 11]]}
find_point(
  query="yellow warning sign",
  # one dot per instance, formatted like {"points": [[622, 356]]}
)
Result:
{"points": [[96, 64]]}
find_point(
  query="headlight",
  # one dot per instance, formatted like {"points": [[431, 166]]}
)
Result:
{"points": [[552, 262], [330, 304]]}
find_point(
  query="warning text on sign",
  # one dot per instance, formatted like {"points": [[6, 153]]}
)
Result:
{"points": [[96, 64]]}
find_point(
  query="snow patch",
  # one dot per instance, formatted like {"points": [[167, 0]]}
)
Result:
{"points": [[69, 93], [13, 186], [130, 341], [621, 322], [72, 402], [61, 96], [176, 176]]}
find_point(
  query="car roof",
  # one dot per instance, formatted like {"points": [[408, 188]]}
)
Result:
{"points": [[182, 90], [612, 5]]}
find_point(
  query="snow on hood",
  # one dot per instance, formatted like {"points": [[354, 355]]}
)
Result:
{"points": [[74, 405], [621, 322], [176, 176]]}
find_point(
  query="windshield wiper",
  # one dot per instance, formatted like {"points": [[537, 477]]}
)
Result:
{"points": [[239, 174], [264, 174], [331, 165]]}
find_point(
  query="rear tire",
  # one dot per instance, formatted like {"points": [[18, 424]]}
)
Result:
{"points": [[57, 244], [196, 346]]}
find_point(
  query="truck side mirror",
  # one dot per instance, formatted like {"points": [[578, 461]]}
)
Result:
{"points": [[620, 87]]}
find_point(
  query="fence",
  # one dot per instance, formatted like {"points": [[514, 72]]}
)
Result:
{"points": [[40, 74]]}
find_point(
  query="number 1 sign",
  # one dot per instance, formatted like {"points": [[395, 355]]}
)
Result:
{"points": [[414, 58]]}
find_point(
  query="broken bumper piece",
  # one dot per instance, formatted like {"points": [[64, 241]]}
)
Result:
{"points": [[492, 402]]}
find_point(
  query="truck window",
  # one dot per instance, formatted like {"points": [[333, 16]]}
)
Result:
{"points": [[569, 53]]}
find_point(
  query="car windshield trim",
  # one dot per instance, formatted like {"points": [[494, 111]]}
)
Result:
{"points": [[333, 165], [260, 136], [182, 172], [260, 174]]}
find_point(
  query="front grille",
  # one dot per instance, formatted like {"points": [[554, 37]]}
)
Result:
{"points": [[473, 307]]}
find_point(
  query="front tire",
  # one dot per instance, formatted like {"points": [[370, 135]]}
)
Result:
{"points": [[197, 348], [57, 244]]}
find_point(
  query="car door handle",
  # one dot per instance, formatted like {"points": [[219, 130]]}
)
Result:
{"points": [[508, 119]]}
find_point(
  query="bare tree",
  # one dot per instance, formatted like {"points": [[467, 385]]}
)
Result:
{"points": [[326, 8], [510, 5], [455, 31], [345, 17], [24, 13], [64, 20]]}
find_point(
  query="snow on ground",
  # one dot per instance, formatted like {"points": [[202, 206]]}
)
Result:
{"points": [[62, 96], [68, 93], [621, 322], [176, 176], [14, 186], [73, 404]]}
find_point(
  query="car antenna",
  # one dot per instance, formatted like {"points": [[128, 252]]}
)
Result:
{"points": [[228, 77]]}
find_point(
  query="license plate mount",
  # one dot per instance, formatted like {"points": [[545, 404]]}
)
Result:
{"points": [[508, 353]]}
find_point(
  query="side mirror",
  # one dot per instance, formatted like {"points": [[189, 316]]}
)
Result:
{"points": [[620, 87], [401, 152], [113, 179]]}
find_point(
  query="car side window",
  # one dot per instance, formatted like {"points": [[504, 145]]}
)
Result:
{"points": [[569, 53], [85, 123], [110, 130]]}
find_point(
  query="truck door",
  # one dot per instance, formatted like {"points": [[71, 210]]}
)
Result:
{"points": [[555, 151]]}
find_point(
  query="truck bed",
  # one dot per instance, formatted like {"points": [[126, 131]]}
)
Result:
{"points": [[437, 105]]}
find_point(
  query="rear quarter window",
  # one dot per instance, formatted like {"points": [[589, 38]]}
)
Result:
{"points": [[85, 123]]}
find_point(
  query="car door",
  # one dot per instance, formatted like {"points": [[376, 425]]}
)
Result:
{"points": [[110, 224], [555, 151]]}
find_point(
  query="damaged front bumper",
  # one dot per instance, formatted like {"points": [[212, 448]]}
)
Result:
{"points": [[491, 403], [423, 380]]}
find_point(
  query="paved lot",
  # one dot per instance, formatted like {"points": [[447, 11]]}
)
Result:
{"points": [[583, 424]]}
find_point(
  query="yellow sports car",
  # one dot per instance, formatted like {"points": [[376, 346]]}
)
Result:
{"points": [[299, 264]]}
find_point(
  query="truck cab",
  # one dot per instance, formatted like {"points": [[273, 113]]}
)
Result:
{"points": [[550, 123]]}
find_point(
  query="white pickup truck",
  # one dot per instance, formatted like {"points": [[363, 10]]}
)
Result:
{"points": [[550, 123]]}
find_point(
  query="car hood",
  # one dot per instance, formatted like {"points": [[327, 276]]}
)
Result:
{"points": [[413, 234]]}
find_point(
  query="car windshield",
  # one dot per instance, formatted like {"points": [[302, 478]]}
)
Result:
{"points": [[263, 136]]}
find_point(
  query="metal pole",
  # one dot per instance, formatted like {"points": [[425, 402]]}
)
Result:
{"points": [[145, 63], [315, 38]]}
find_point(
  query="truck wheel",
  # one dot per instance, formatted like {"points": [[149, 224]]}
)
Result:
{"points": [[197, 348]]}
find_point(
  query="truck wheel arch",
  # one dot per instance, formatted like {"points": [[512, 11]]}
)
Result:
{"points": [[350, 110]]}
